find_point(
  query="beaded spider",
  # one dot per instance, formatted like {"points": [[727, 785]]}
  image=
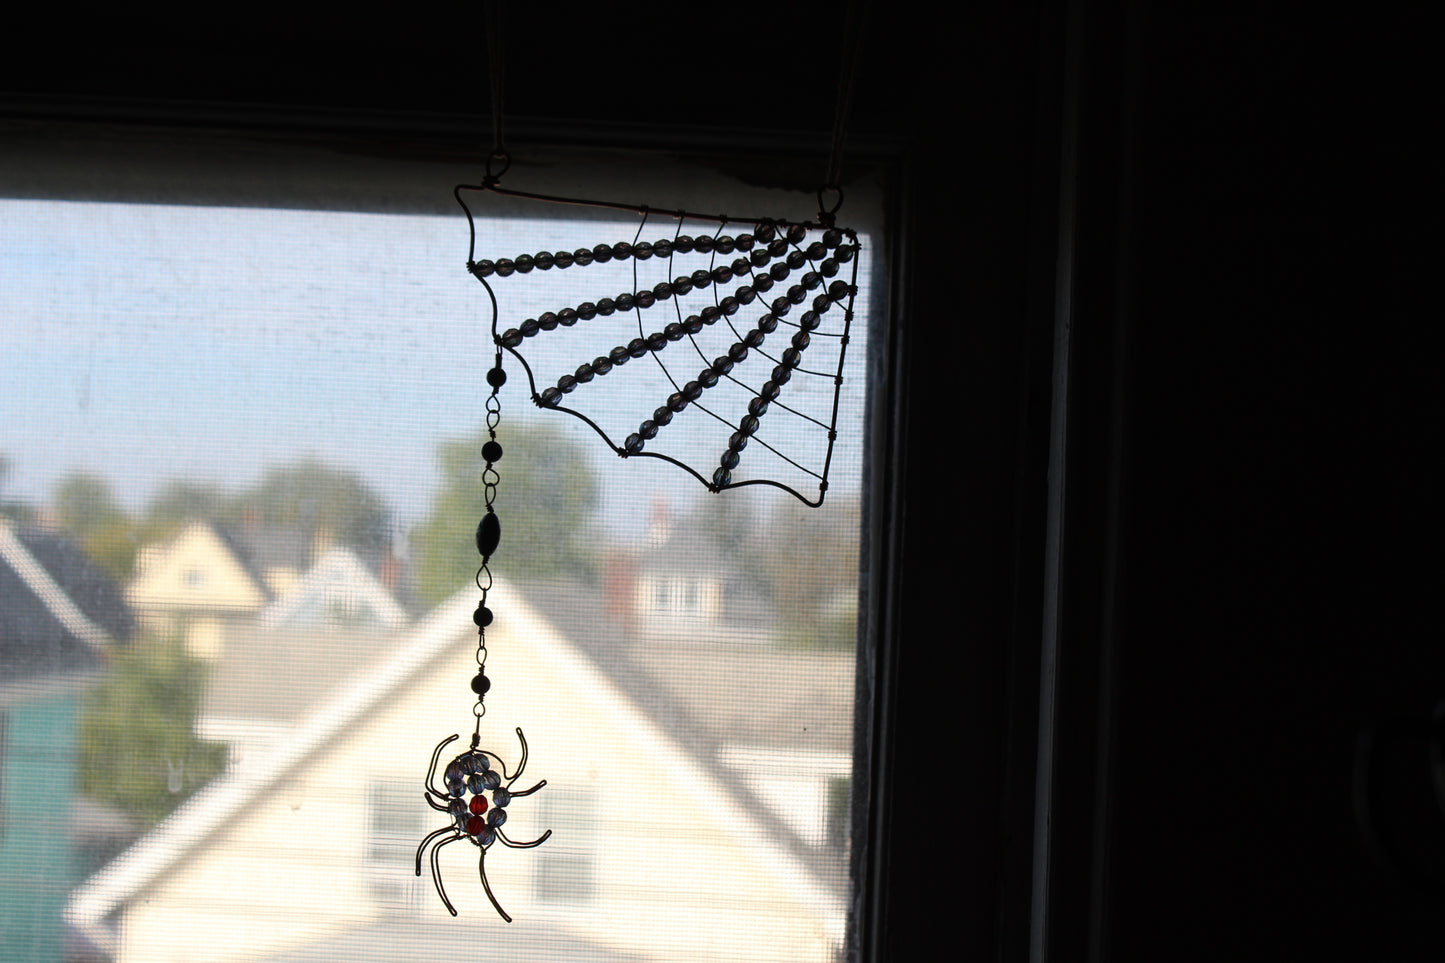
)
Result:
{"points": [[474, 819]]}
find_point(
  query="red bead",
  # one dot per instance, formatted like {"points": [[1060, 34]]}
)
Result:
{"points": [[475, 824], [479, 804]]}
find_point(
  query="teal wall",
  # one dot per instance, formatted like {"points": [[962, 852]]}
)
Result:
{"points": [[37, 800]]}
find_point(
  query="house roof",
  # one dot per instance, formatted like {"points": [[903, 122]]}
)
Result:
{"points": [[59, 611]]}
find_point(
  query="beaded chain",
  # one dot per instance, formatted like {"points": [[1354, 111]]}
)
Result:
{"points": [[489, 535]]}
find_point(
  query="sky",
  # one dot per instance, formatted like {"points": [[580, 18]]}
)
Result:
{"points": [[151, 343]]}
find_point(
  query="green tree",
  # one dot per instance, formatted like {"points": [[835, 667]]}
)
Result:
{"points": [[87, 508], [313, 497], [546, 501], [813, 579], [179, 502], [139, 750]]}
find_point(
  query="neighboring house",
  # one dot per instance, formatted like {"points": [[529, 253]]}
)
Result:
{"points": [[59, 614], [683, 587], [658, 853], [195, 583]]}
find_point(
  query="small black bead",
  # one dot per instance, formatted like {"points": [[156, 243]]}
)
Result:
{"points": [[832, 237], [744, 243], [586, 310], [764, 231], [838, 290], [730, 305], [759, 257], [701, 278], [657, 341], [722, 274], [601, 364], [662, 415], [550, 396], [702, 244], [754, 338], [746, 294], [497, 377], [480, 684], [647, 429], [584, 373], [524, 263], [505, 267], [602, 253], [801, 340], [637, 347], [707, 377], [619, 355], [768, 323], [621, 250], [564, 259], [829, 267], [482, 616], [642, 251], [606, 307], [769, 391], [797, 294], [845, 253], [681, 285], [547, 320], [781, 306], [567, 384], [757, 406], [530, 327], [582, 257], [822, 303], [812, 279], [483, 268], [692, 391], [730, 459], [748, 425], [545, 260], [797, 233], [817, 251], [738, 351], [489, 533], [674, 332], [492, 452], [625, 302], [633, 444], [792, 357], [710, 313], [693, 324], [643, 299], [778, 247], [738, 440], [796, 259], [778, 271], [676, 401], [662, 248], [741, 267], [762, 283], [721, 477], [567, 317], [809, 320], [724, 244], [662, 291]]}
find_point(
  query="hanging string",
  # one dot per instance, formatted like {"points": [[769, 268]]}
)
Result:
{"points": [[842, 108]]}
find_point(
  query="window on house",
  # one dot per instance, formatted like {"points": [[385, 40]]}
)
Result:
{"points": [[238, 383]]}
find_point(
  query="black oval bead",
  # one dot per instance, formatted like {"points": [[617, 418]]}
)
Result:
{"points": [[754, 338], [778, 246], [550, 396], [845, 253], [812, 279], [662, 290], [796, 259], [769, 390], [682, 284], [744, 242], [683, 244], [564, 259], [674, 331], [701, 278], [657, 341], [662, 248], [724, 244], [767, 323], [764, 231], [759, 257], [742, 266], [567, 317], [828, 268], [763, 283], [642, 251], [676, 401], [792, 357], [757, 406], [782, 305], [544, 260], [601, 364], [782, 374], [797, 294], [738, 351], [748, 424], [707, 378], [584, 373], [738, 440], [567, 384], [722, 274], [625, 302], [492, 452], [586, 310], [662, 415], [822, 303], [746, 294], [832, 237], [702, 244], [809, 320], [489, 533], [722, 364], [497, 377], [606, 307], [530, 327], [801, 340], [778, 271], [621, 250], [619, 355], [692, 391], [730, 459], [648, 429], [643, 299], [721, 477], [637, 347], [817, 251], [730, 305], [505, 267], [524, 263], [710, 313], [482, 616], [796, 234], [602, 253], [582, 257], [480, 684], [693, 324], [838, 290], [547, 320]]}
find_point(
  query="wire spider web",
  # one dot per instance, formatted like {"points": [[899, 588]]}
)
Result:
{"points": [[718, 345]]}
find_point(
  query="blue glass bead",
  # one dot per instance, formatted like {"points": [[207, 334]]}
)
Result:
{"points": [[485, 836], [586, 310], [456, 787], [490, 779], [501, 797], [468, 765], [482, 762], [567, 384], [496, 817], [648, 430], [457, 807], [474, 784], [633, 444], [564, 259], [511, 338], [567, 317], [662, 415], [730, 459], [722, 477]]}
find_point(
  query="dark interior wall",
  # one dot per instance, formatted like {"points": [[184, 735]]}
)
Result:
{"points": [[1249, 561]]}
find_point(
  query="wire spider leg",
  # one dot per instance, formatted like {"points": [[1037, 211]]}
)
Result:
{"points": [[536, 842], [482, 869], [520, 765], [430, 836], [527, 792], [432, 769], [439, 807], [436, 873]]}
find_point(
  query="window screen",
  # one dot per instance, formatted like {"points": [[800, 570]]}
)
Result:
{"points": [[240, 480]]}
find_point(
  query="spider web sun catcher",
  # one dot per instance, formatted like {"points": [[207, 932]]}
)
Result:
{"points": [[739, 328]]}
